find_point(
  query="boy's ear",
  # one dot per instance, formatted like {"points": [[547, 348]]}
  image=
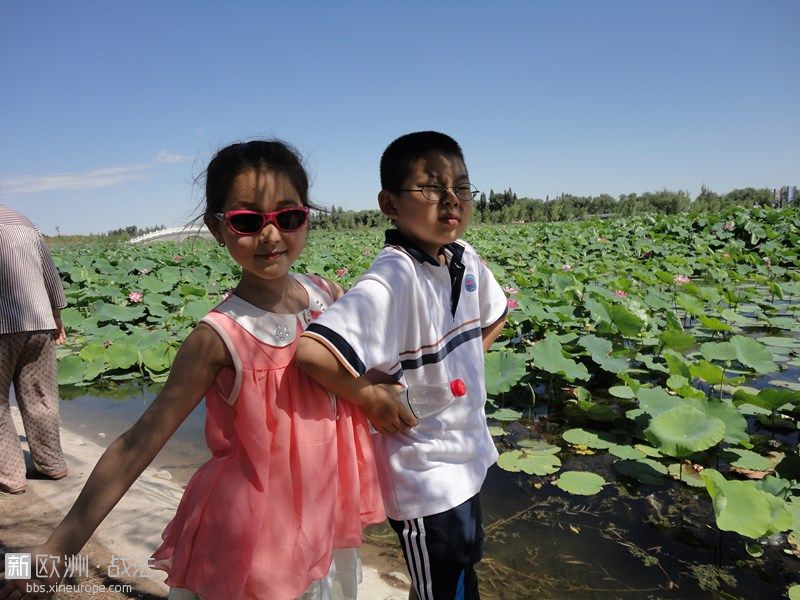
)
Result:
{"points": [[387, 202], [213, 227]]}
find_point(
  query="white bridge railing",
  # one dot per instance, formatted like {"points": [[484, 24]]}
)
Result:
{"points": [[174, 234]]}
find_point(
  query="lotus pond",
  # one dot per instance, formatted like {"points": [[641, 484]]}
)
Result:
{"points": [[644, 395]]}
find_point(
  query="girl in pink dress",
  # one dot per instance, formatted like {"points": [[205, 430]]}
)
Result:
{"points": [[291, 480]]}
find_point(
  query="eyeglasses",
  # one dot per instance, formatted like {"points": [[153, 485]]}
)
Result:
{"points": [[251, 222], [465, 192]]}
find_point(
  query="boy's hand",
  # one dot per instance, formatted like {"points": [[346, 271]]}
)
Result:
{"points": [[43, 561], [386, 410]]}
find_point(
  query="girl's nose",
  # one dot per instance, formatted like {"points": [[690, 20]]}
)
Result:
{"points": [[269, 233]]}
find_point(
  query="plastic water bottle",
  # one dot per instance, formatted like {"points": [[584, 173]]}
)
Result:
{"points": [[427, 399]]}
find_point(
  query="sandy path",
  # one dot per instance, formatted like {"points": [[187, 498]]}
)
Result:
{"points": [[133, 529]]}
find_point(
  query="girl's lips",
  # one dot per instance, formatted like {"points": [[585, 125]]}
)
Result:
{"points": [[268, 255], [449, 220]]}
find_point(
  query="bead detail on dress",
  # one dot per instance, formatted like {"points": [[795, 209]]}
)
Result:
{"points": [[281, 332]]}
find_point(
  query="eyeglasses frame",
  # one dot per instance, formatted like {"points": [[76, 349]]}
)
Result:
{"points": [[473, 190]]}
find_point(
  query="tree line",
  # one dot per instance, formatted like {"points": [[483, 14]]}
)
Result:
{"points": [[507, 207]]}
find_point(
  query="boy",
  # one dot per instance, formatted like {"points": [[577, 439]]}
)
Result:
{"points": [[424, 313]]}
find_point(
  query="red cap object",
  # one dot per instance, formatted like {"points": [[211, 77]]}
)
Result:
{"points": [[458, 387]]}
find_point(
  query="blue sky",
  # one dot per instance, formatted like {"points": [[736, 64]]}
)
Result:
{"points": [[111, 109]]}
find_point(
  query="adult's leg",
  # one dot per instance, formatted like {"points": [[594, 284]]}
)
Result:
{"points": [[441, 551], [36, 383], [12, 461]]}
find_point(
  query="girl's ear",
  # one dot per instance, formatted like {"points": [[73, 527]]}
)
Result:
{"points": [[387, 202], [214, 227]]}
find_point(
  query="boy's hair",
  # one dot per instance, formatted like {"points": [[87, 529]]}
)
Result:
{"points": [[270, 155], [398, 156]]}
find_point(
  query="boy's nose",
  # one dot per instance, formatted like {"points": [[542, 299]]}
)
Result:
{"points": [[450, 197]]}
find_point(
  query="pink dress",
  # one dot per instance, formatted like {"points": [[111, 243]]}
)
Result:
{"points": [[291, 475]]}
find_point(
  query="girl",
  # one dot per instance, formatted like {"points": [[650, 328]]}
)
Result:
{"points": [[291, 476]]}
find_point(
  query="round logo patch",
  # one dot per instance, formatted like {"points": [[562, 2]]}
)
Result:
{"points": [[470, 283]]}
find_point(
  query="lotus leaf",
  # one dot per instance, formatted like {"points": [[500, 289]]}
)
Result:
{"points": [[151, 284], [741, 507], [71, 370], [628, 324], [494, 430], [591, 439], [548, 356], [753, 354], [622, 391], [655, 401], [686, 474], [113, 312], [626, 452], [754, 549], [529, 462], [599, 350], [770, 399], [746, 459], [122, 355], [648, 450], [92, 351], [718, 351], [649, 473], [198, 308], [505, 414], [677, 339], [735, 423], [684, 430], [580, 482], [504, 369], [780, 342], [794, 592], [690, 304], [538, 446], [775, 486], [714, 324], [597, 310]]}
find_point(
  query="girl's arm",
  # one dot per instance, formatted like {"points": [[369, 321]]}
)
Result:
{"points": [[491, 332], [196, 365]]}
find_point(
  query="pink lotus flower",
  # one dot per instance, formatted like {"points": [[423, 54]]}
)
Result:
{"points": [[729, 226], [566, 267], [341, 272], [602, 240], [512, 304], [135, 296], [680, 280], [621, 293], [366, 252], [177, 258], [510, 289]]}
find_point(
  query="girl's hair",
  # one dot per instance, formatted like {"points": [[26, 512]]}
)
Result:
{"points": [[271, 155]]}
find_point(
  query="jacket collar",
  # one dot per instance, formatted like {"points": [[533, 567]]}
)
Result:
{"points": [[454, 253]]}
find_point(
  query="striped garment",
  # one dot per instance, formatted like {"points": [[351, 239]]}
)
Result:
{"points": [[30, 287], [420, 323]]}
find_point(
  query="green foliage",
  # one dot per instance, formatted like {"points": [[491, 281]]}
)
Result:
{"points": [[582, 483]]}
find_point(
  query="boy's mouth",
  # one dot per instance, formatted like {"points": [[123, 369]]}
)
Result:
{"points": [[450, 219]]}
